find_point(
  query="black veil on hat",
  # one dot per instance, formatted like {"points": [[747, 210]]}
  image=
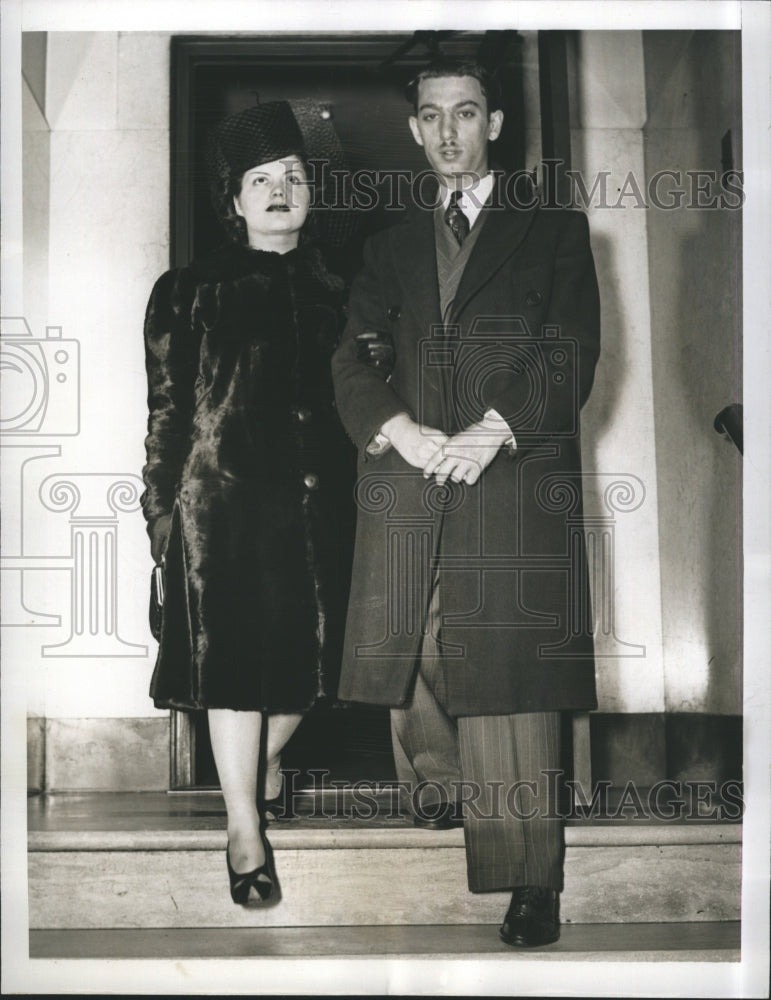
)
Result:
{"points": [[259, 134], [267, 132], [334, 216]]}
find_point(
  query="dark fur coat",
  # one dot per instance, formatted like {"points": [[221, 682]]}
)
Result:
{"points": [[249, 481]]}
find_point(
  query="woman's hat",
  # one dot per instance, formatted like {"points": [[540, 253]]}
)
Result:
{"points": [[271, 131], [260, 134]]}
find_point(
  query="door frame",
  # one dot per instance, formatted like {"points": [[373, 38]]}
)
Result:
{"points": [[191, 52]]}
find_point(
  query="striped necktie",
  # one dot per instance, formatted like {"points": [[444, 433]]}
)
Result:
{"points": [[456, 219]]}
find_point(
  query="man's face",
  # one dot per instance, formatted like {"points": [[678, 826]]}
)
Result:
{"points": [[453, 126]]}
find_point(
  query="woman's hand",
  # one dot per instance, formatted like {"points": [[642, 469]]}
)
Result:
{"points": [[159, 536]]}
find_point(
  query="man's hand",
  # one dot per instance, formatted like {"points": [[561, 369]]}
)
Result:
{"points": [[416, 443], [465, 456], [376, 350]]}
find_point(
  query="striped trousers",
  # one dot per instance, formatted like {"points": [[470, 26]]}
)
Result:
{"points": [[495, 765]]}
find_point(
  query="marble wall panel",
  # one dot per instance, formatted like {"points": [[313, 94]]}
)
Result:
{"points": [[610, 82], [617, 426], [36, 189], [143, 80], [692, 78], [696, 342], [107, 754], [36, 735], [81, 80]]}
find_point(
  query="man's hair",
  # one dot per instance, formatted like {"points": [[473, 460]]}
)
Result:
{"points": [[447, 66]]}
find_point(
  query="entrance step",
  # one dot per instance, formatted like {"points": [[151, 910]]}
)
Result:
{"points": [[157, 861], [691, 942]]}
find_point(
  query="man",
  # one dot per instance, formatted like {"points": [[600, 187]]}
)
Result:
{"points": [[468, 612]]}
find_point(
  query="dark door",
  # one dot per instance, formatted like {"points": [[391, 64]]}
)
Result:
{"points": [[358, 80]]}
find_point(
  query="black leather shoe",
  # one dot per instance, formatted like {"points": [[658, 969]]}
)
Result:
{"points": [[532, 917], [438, 816]]}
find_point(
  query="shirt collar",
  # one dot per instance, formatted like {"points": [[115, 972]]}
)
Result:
{"points": [[472, 199]]}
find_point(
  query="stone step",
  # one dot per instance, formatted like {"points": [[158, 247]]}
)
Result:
{"points": [[684, 942], [91, 869]]}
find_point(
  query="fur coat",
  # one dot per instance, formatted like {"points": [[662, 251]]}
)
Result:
{"points": [[248, 481]]}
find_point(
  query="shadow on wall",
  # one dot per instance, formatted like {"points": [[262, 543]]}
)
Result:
{"points": [[701, 477], [614, 356], [600, 415], [695, 285]]}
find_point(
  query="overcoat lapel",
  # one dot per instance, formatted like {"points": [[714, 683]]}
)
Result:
{"points": [[504, 230], [415, 259]]}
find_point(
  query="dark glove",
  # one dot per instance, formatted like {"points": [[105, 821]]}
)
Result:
{"points": [[377, 351], [159, 536]]}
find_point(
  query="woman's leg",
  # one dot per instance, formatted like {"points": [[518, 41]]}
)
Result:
{"points": [[280, 729], [235, 741]]}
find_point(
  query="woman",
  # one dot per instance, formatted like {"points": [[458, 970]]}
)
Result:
{"points": [[249, 475]]}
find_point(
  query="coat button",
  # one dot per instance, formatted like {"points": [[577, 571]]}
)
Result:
{"points": [[311, 481], [533, 298], [303, 415], [394, 312]]}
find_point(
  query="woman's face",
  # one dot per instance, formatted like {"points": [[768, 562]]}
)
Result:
{"points": [[274, 201]]}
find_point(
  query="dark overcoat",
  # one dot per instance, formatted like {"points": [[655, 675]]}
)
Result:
{"points": [[247, 457], [523, 338]]}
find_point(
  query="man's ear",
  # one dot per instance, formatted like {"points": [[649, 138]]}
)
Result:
{"points": [[236, 206], [415, 130], [495, 124]]}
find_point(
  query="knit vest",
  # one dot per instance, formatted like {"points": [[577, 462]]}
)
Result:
{"points": [[451, 259]]}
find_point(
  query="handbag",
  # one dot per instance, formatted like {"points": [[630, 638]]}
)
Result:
{"points": [[157, 593]]}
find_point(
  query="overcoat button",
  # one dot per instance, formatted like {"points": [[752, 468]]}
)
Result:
{"points": [[311, 481], [394, 312], [303, 416], [533, 298]]}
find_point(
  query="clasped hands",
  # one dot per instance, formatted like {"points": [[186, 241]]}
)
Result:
{"points": [[462, 457]]}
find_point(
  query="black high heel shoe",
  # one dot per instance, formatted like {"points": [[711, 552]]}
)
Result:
{"points": [[242, 883], [274, 809]]}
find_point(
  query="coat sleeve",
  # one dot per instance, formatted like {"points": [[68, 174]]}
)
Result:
{"points": [[171, 361], [563, 354], [364, 398]]}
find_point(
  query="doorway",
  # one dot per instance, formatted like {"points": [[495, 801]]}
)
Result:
{"points": [[359, 79]]}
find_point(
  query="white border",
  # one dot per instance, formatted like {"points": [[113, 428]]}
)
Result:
{"points": [[337, 15]]}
